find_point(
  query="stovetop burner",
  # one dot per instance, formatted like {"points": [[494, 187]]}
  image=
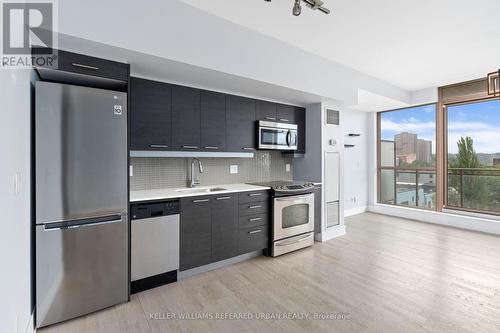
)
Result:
{"points": [[288, 186]]}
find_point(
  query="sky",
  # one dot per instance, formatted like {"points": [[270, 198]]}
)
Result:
{"points": [[480, 121]]}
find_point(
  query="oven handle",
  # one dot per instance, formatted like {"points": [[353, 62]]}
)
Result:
{"points": [[295, 197], [285, 243]]}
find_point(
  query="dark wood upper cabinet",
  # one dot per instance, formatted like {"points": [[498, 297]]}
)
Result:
{"points": [[286, 113], [213, 121], [265, 110], [150, 115], [300, 120], [240, 124], [185, 118]]}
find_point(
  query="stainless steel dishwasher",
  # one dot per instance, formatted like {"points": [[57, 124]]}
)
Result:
{"points": [[154, 244]]}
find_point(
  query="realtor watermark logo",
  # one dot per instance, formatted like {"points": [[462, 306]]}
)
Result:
{"points": [[28, 34]]}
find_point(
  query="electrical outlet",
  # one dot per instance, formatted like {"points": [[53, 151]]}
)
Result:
{"points": [[287, 167], [233, 169]]}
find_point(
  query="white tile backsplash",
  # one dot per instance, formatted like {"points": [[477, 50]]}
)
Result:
{"points": [[157, 173]]}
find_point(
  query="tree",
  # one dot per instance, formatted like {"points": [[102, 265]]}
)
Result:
{"points": [[473, 191], [467, 157]]}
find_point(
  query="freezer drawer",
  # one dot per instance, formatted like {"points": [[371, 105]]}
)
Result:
{"points": [[80, 268]]}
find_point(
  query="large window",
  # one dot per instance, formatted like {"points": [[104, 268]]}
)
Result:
{"points": [[407, 157], [473, 163]]}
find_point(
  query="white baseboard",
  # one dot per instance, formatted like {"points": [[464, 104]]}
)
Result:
{"points": [[330, 233], [447, 219], [355, 211]]}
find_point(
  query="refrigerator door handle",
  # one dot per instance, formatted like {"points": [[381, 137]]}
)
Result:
{"points": [[73, 224]]}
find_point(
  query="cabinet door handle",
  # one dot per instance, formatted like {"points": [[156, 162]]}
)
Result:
{"points": [[85, 66], [254, 207], [254, 194], [284, 120], [270, 118], [248, 148], [223, 198], [255, 231], [211, 147], [201, 200], [190, 147], [158, 146], [255, 219]]}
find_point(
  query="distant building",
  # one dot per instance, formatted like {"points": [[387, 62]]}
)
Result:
{"points": [[407, 158], [496, 161], [406, 143], [424, 150]]}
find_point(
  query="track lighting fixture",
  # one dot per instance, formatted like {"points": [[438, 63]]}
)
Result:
{"points": [[297, 8], [313, 4]]}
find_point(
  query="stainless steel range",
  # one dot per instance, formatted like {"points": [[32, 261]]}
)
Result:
{"points": [[293, 216]]}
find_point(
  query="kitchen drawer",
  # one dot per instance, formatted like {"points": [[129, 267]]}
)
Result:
{"points": [[253, 221], [252, 239], [253, 196], [253, 208]]}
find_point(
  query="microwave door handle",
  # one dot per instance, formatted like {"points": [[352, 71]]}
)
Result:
{"points": [[288, 137]]}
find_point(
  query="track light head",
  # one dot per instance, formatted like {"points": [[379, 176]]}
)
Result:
{"points": [[297, 8]]}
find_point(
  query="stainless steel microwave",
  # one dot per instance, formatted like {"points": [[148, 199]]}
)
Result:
{"points": [[277, 136]]}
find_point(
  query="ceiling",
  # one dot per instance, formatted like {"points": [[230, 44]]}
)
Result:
{"points": [[411, 44]]}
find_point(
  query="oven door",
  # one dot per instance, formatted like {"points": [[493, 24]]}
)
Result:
{"points": [[277, 138], [293, 215]]}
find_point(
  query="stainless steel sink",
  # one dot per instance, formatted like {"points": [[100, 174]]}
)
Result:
{"points": [[201, 190]]}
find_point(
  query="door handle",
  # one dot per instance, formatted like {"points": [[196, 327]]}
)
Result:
{"points": [[223, 198], [190, 147], [284, 120], [255, 231], [201, 200], [307, 196], [270, 118], [254, 194], [158, 146], [84, 66], [255, 219], [212, 147], [254, 207], [88, 222], [248, 148], [288, 138]]}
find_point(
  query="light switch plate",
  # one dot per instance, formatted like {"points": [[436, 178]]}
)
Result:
{"points": [[287, 167], [131, 171], [233, 169]]}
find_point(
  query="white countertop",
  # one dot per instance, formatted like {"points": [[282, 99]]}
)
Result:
{"points": [[172, 193]]}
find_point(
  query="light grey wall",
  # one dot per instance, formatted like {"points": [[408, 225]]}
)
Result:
{"points": [[356, 159], [156, 173], [15, 242]]}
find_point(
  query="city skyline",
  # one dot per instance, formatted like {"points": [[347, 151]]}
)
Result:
{"points": [[480, 121]]}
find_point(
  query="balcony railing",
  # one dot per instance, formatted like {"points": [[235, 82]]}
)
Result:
{"points": [[474, 189], [409, 187]]}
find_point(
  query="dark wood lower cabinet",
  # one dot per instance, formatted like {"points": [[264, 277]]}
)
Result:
{"points": [[224, 227], [215, 227], [196, 232]]}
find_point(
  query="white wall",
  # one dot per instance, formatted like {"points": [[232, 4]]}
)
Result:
{"points": [[356, 161], [179, 32], [15, 292]]}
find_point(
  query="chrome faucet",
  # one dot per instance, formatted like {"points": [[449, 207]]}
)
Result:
{"points": [[194, 181]]}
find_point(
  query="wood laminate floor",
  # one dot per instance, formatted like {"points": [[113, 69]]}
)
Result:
{"points": [[388, 275]]}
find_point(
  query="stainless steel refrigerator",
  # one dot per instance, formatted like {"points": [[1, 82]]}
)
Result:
{"points": [[81, 200]]}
